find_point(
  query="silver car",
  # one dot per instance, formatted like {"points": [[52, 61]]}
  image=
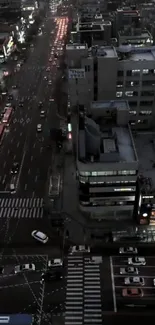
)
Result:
{"points": [[134, 281], [128, 250], [129, 270]]}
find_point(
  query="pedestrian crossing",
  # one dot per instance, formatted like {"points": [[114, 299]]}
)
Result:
{"points": [[83, 292], [21, 208]]}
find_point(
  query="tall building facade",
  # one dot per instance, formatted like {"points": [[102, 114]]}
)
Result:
{"points": [[106, 73]]}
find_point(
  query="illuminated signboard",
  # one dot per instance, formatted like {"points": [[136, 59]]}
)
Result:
{"points": [[76, 73]]}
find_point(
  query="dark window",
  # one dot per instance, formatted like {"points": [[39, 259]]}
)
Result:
{"points": [[120, 73], [148, 83], [132, 103], [129, 73], [146, 103], [147, 93]]}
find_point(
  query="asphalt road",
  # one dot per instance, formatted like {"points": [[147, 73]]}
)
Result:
{"points": [[22, 143], [88, 291], [24, 292]]}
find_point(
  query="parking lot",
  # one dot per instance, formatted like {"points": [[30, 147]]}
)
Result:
{"points": [[24, 292], [147, 272]]}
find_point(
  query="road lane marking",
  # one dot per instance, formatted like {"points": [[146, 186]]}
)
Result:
{"points": [[4, 178], [113, 285], [143, 266], [4, 164], [36, 178], [125, 286], [29, 171], [18, 285], [18, 144], [31, 158], [132, 276], [25, 187]]}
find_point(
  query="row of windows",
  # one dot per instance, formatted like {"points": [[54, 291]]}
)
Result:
{"points": [[135, 72], [109, 173], [135, 83], [142, 113], [143, 93]]}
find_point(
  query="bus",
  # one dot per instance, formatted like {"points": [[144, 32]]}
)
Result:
{"points": [[7, 116], [2, 127], [16, 319]]}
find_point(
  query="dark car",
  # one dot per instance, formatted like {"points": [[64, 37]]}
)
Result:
{"points": [[51, 276], [21, 103], [15, 168], [10, 97], [40, 105]]}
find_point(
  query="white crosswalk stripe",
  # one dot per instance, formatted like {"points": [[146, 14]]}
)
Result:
{"points": [[21, 208], [83, 292]]}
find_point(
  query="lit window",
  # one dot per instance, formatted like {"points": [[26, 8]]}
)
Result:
{"points": [[120, 84], [145, 71], [132, 112], [119, 94], [129, 93], [135, 72], [145, 112]]}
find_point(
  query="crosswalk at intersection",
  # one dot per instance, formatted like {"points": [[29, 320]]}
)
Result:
{"points": [[83, 292]]}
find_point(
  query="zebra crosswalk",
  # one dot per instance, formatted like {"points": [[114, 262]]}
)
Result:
{"points": [[83, 292], [21, 208]]}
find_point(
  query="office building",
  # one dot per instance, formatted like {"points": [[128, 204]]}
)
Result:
{"points": [[10, 9], [135, 36], [106, 73], [95, 32], [107, 162]]}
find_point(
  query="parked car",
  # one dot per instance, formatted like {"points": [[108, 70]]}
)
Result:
{"points": [[132, 292], [129, 270], [136, 280], [40, 236], [137, 261], [24, 267], [128, 250]]}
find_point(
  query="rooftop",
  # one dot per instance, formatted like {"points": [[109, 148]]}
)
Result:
{"points": [[136, 54], [106, 51], [89, 26], [135, 33], [145, 146], [104, 136], [117, 104]]}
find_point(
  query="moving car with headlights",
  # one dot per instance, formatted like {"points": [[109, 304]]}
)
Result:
{"points": [[51, 276], [132, 293], [137, 261], [21, 103], [56, 262], [40, 105], [24, 268], [128, 270], [15, 168], [79, 249], [42, 114], [128, 250], [39, 127], [40, 236], [136, 280]]}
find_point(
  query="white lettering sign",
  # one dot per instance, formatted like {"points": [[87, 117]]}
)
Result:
{"points": [[76, 73]]}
